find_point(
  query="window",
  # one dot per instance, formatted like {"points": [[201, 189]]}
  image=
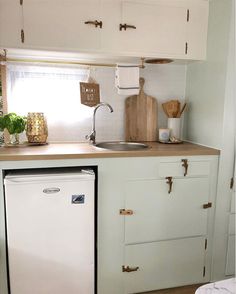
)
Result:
{"points": [[55, 91]]}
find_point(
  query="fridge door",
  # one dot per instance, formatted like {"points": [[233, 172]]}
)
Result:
{"points": [[50, 233]]}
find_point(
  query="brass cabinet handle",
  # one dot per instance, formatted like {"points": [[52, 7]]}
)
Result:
{"points": [[126, 26], [185, 165], [128, 269], [95, 23], [170, 183], [126, 212]]}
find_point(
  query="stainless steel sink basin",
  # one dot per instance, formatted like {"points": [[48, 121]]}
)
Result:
{"points": [[122, 146]]}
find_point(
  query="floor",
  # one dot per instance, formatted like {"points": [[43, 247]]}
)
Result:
{"points": [[179, 290]]}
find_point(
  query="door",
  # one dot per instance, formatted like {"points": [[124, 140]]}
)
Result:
{"points": [[159, 215], [155, 28], [61, 24], [164, 264], [10, 23]]}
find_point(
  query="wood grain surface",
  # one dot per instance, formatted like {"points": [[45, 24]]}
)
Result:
{"points": [[85, 150], [141, 117]]}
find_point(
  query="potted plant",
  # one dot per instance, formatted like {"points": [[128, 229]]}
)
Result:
{"points": [[15, 124]]}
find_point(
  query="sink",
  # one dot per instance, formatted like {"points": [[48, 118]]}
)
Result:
{"points": [[122, 146]]}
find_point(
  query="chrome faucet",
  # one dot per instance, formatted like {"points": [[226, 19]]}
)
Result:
{"points": [[92, 136]]}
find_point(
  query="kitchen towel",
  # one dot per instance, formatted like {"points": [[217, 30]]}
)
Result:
{"points": [[127, 79]]}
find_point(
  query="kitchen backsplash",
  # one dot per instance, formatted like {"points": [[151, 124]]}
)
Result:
{"points": [[164, 82]]}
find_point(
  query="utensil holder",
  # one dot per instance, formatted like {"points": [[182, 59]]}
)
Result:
{"points": [[36, 130], [175, 126]]}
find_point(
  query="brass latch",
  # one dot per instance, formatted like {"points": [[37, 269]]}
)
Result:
{"points": [[126, 26], [96, 23], [207, 205], [128, 269], [126, 212], [170, 183], [185, 166]]}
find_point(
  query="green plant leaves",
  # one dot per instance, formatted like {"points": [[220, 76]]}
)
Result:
{"points": [[14, 123]]}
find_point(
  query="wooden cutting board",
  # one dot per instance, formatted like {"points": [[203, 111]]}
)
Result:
{"points": [[141, 117]]}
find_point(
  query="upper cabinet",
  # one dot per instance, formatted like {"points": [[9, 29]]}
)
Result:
{"points": [[10, 23], [67, 25], [152, 28]]}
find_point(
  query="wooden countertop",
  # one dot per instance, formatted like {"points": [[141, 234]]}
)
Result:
{"points": [[85, 150]]}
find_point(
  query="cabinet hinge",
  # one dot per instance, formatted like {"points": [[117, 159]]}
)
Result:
{"points": [[207, 205], [231, 183], [187, 15], [204, 271], [21, 2], [128, 269], [205, 244], [186, 48], [126, 212], [22, 35]]}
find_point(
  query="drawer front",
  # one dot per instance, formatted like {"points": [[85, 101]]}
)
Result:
{"points": [[184, 166], [164, 264], [159, 215]]}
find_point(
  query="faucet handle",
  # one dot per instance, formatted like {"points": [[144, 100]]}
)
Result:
{"points": [[91, 137]]}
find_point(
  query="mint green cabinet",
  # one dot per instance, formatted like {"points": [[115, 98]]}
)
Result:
{"points": [[167, 238], [168, 227], [159, 215]]}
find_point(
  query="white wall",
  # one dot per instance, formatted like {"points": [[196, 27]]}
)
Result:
{"points": [[206, 81], [163, 82], [68, 120]]}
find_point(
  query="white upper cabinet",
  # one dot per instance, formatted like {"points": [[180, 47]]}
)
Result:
{"points": [[197, 26], [153, 29], [10, 23], [60, 24], [174, 29]]}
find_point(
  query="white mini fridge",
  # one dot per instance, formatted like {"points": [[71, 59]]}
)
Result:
{"points": [[50, 232]]}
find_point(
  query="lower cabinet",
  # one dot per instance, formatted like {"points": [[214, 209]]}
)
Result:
{"points": [[159, 215], [164, 264], [167, 222]]}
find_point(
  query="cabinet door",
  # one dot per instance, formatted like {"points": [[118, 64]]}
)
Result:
{"points": [[197, 30], [164, 264], [158, 215], [60, 24], [10, 23], [160, 29]]}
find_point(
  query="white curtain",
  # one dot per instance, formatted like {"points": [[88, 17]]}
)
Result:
{"points": [[55, 91]]}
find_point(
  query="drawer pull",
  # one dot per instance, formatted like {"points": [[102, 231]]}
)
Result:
{"points": [[185, 165], [170, 183], [126, 26], [207, 205], [95, 23], [128, 269], [126, 212]]}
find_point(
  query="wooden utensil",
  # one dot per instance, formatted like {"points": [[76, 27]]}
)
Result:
{"points": [[171, 107], [141, 116]]}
